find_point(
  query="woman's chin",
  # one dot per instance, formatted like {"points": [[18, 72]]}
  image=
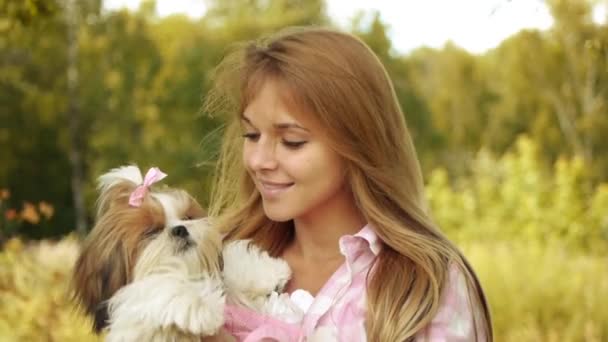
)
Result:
{"points": [[274, 214]]}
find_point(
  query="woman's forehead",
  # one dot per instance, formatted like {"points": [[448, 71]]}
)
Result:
{"points": [[273, 101]]}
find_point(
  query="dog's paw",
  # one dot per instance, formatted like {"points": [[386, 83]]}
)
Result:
{"points": [[199, 309], [251, 272], [281, 306], [169, 301]]}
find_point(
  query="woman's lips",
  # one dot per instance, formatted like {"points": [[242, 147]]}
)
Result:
{"points": [[273, 189]]}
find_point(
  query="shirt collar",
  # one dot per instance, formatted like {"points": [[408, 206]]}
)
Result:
{"points": [[365, 239]]}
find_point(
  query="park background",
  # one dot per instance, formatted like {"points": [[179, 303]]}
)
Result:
{"points": [[512, 142]]}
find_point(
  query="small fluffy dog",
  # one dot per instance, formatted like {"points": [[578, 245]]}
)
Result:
{"points": [[151, 268]]}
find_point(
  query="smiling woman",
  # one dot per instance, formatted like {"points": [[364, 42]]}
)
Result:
{"points": [[285, 160], [318, 167]]}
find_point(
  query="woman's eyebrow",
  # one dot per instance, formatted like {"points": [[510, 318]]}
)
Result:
{"points": [[279, 126], [287, 125]]}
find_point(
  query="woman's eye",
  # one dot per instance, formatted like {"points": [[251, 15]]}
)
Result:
{"points": [[251, 136], [293, 144]]}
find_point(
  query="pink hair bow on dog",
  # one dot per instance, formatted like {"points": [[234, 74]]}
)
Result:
{"points": [[152, 176]]}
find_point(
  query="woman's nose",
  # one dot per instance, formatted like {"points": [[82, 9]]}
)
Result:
{"points": [[262, 156]]}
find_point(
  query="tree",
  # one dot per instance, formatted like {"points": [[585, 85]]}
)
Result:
{"points": [[553, 84], [246, 19]]}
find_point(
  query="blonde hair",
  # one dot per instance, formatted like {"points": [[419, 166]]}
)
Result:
{"points": [[338, 80]]}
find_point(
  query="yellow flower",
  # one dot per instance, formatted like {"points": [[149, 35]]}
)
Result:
{"points": [[29, 213], [46, 209]]}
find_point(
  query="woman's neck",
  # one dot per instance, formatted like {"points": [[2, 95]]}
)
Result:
{"points": [[316, 234]]}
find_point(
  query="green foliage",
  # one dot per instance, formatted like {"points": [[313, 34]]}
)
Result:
{"points": [[452, 85], [249, 19], [141, 80], [514, 198], [24, 12], [554, 85], [536, 236]]}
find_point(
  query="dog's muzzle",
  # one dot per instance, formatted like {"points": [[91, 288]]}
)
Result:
{"points": [[182, 236]]}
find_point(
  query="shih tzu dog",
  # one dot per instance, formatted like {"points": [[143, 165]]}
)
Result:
{"points": [[150, 270], [154, 269]]}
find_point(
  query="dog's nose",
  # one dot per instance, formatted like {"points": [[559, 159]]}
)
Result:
{"points": [[179, 231]]}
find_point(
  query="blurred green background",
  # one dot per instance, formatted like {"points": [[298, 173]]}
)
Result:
{"points": [[512, 142]]}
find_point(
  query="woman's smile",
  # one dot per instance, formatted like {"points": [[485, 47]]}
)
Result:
{"points": [[272, 190]]}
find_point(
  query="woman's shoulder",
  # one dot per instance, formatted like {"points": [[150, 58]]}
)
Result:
{"points": [[459, 316]]}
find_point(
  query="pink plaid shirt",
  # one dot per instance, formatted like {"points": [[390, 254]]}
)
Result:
{"points": [[339, 308]]}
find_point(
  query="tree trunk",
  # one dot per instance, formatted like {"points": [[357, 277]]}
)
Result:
{"points": [[74, 118]]}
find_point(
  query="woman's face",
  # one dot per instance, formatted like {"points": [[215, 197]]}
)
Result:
{"points": [[292, 167]]}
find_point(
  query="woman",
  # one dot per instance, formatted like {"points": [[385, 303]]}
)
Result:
{"points": [[326, 176]]}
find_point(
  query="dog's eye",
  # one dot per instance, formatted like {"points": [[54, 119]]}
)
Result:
{"points": [[187, 218], [154, 230]]}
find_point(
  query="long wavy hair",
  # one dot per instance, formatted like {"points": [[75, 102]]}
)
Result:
{"points": [[339, 81]]}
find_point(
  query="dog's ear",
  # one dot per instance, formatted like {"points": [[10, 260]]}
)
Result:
{"points": [[130, 174], [116, 186], [104, 264], [101, 269]]}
